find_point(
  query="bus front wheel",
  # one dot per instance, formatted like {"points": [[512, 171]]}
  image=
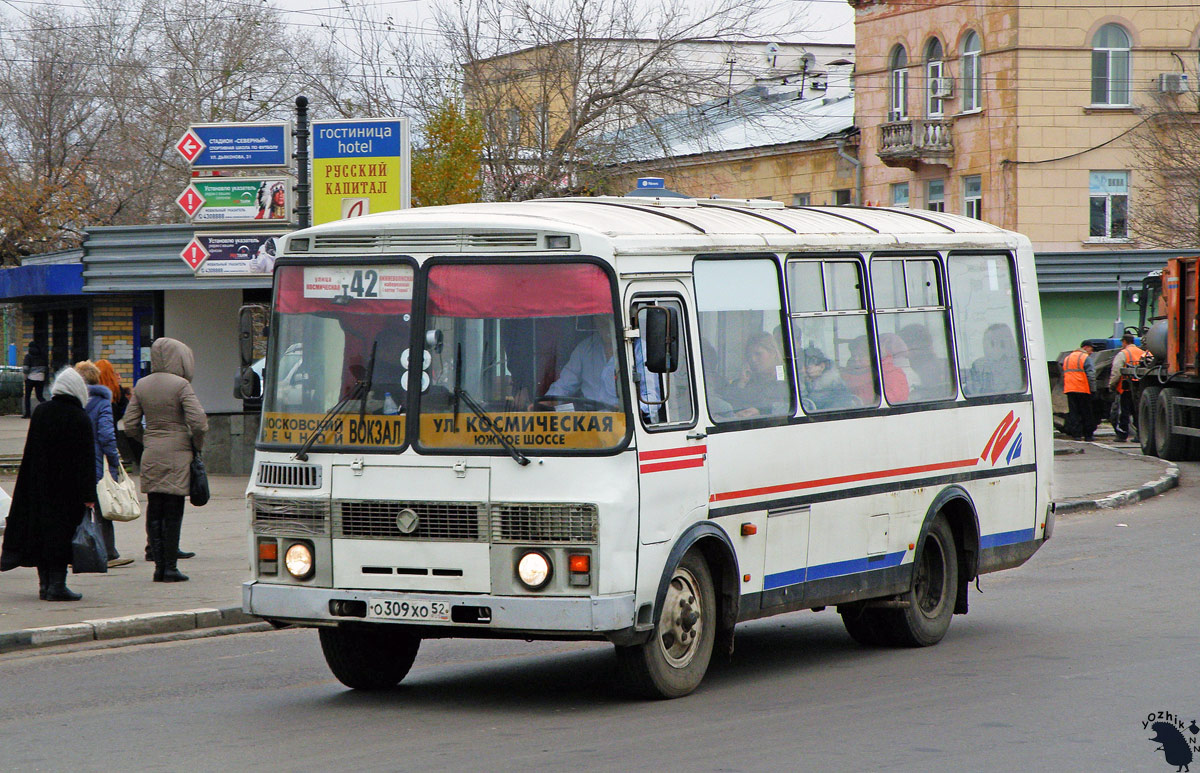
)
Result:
{"points": [[674, 660], [926, 617], [374, 658]]}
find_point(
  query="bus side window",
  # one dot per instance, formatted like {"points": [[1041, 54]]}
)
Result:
{"points": [[741, 316], [665, 398], [914, 331], [830, 335], [984, 304]]}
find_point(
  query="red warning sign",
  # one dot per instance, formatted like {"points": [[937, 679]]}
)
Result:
{"points": [[194, 254]]}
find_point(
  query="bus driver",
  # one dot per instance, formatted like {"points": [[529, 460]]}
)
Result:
{"points": [[591, 374]]}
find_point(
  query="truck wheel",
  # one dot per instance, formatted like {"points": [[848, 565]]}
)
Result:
{"points": [[934, 592], [673, 662], [1171, 445], [1147, 405], [374, 658]]}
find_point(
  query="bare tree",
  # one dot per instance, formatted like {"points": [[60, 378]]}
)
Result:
{"points": [[555, 80], [1166, 151]]}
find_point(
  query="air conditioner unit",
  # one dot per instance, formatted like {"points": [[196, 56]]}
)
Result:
{"points": [[941, 88], [1172, 83]]}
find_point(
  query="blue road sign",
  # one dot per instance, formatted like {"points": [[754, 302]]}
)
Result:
{"points": [[231, 145], [650, 182], [367, 138]]}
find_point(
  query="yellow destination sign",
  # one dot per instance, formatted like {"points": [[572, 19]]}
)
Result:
{"points": [[527, 431], [344, 430]]}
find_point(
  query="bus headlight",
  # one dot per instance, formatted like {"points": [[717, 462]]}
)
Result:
{"points": [[534, 570], [299, 560]]}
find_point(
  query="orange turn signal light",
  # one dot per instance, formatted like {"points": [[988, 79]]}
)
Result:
{"points": [[268, 551], [579, 562], [749, 529]]}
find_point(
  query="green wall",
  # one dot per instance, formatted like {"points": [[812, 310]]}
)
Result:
{"points": [[1068, 318]]}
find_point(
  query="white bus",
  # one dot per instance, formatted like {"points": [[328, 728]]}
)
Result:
{"points": [[643, 421]]}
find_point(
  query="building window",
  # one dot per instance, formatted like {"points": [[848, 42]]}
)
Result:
{"points": [[899, 194], [1109, 205], [973, 196], [841, 196], [801, 199], [898, 80], [935, 195], [1110, 66], [971, 92], [934, 70]]}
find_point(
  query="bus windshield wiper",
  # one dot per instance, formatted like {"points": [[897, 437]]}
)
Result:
{"points": [[358, 389], [366, 385], [486, 422]]}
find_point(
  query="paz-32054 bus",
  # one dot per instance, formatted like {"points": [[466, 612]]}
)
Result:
{"points": [[643, 421]]}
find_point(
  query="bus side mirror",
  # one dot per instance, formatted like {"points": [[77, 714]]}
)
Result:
{"points": [[247, 385], [246, 334], [660, 339]]}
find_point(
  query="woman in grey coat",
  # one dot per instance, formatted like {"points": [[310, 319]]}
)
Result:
{"points": [[175, 424]]}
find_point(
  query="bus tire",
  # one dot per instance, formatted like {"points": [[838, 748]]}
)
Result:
{"points": [[375, 658], [926, 618], [864, 625], [673, 661], [1147, 405], [1171, 445]]}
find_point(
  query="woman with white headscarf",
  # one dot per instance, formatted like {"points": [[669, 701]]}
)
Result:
{"points": [[55, 486]]}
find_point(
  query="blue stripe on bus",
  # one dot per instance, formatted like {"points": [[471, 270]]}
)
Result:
{"points": [[821, 571], [1006, 538], [887, 561]]}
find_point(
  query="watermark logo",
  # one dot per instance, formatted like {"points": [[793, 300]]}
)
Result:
{"points": [[1178, 742]]}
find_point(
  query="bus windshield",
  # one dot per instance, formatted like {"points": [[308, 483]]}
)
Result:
{"points": [[521, 356], [339, 334]]}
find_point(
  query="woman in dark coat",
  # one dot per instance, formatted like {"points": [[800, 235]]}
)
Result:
{"points": [[55, 485]]}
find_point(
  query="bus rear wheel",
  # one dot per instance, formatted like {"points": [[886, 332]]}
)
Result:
{"points": [[926, 617], [375, 658], [674, 660]]}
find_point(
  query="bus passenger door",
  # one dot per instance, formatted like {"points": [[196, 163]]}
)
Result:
{"points": [[672, 454]]}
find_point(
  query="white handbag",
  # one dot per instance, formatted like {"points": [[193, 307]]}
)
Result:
{"points": [[119, 499]]}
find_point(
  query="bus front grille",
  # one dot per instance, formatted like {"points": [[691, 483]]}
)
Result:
{"points": [[575, 524], [290, 517], [289, 475], [371, 519]]}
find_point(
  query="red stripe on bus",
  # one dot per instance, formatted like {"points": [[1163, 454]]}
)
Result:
{"points": [[999, 428], [667, 453], [754, 492], [678, 464]]}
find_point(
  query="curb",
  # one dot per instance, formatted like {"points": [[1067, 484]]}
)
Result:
{"points": [[124, 627], [1167, 481]]}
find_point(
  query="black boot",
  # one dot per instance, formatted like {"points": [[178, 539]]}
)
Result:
{"points": [[43, 582], [171, 526], [154, 530], [57, 589]]}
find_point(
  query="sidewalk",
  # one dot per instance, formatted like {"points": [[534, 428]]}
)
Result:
{"points": [[125, 602]]}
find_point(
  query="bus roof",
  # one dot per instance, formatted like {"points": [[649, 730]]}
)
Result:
{"points": [[690, 223]]}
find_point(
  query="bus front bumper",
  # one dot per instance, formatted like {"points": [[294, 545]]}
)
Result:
{"points": [[582, 615]]}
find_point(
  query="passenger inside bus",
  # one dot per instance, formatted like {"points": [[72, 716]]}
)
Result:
{"points": [[762, 389], [998, 371], [821, 389], [387, 384], [932, 372]]}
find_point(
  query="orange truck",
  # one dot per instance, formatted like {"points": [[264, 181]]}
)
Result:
{"points": [[1166, 383]]}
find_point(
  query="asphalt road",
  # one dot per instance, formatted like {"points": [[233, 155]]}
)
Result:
{"points": [[1056, 668]]}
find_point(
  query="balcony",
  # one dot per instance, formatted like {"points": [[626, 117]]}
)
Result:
{"points": [[912, 142]]}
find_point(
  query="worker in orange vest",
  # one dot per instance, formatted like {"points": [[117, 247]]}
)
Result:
{"points": [[1129, 356], [1079, 380]]}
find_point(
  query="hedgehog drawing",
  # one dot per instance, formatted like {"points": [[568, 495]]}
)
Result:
{"points": [[1174, 746]]}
